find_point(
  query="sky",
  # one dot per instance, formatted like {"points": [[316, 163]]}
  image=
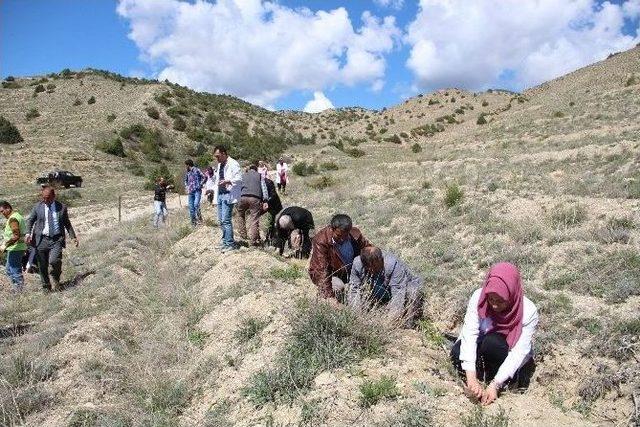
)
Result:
{"points": [[313, 55]]}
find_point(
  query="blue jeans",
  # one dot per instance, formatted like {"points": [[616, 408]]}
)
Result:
{"points": [[194, 205], [14, 269], [225, 209], [160, 212]]}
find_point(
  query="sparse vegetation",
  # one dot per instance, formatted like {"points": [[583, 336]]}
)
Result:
{"points": [[453, 195], [32, 114], [91, 100], [482, 120], [321, 338], [321, 182], [373, 391], [479, 418], [416, 148]]}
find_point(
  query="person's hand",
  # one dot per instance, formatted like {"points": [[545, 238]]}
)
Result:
{"points": [[27, 239], [76, 242], [265, 207], [473, 387], [3, 247], [490, 394], [224, 182]]}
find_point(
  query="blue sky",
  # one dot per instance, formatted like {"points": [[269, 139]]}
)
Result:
{"points": [[425, 48]]}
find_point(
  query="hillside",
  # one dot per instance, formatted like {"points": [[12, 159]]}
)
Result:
{"points": [[161, 329]]}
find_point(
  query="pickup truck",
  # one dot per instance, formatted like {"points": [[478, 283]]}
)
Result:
{"points": [[60, 178]]}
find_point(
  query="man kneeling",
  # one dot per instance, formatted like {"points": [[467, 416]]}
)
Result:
{"points": [[380, 278]]}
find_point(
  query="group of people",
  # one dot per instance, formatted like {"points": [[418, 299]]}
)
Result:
{"points": [[37, 240], [495, 343]]}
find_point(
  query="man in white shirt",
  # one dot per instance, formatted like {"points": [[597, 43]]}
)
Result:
{"points": [[228, 180]]}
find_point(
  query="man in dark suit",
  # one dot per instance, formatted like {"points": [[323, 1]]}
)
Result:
{"points": [[47, 224]]}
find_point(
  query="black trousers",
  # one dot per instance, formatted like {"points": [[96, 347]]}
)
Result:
{"points": [[491, 352], [49, 252]]}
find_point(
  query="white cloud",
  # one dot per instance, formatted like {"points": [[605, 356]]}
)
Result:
{"points": [[471, 44], [394, 4], [319, 103], [255, 49]]}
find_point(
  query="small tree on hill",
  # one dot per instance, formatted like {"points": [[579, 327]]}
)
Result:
{"points": [[91, 100], [9, 134]]}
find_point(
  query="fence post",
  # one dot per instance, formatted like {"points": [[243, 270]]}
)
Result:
{"points": [[120, 208]]}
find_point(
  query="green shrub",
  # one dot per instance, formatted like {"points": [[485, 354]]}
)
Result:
{"points": [[355, 152], [9, 79], [39, 88], [32, 114], [153, 112], [92, 100], [558, 115], [163, 98], [113, 146], [212, 122], [249, 329], [321, 338], [453, 195], [110, 118], [179, 124], [289, 274], [321, 182], [568, 216], [632, 80], [431, 335], [177, 111], [329, 166], [382, 131], [77, 102], [481, 120], [394, 139], [371, 392], [433, 102], [9, 134], [485, 103], [11, 85], [416, 148], [459, 111], [304, 169], [133, 132]]}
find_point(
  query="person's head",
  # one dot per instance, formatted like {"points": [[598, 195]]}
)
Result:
{"points": [[5, 208], [285, 222], [372, 259], [341, 226], [253, 166], [497, 303], [48, 194], [261, 163], [188, 163], [281, 160], [502, 288], [220, 153], [161, 180], [209, 171]]}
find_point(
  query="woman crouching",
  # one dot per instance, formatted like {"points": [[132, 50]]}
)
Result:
{"points": [[495, 342]]}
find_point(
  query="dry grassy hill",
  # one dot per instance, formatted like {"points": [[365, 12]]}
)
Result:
{"points": [[161, 329]]}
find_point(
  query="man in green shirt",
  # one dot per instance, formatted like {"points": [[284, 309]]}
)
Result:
{"points": [[13, 244]]}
